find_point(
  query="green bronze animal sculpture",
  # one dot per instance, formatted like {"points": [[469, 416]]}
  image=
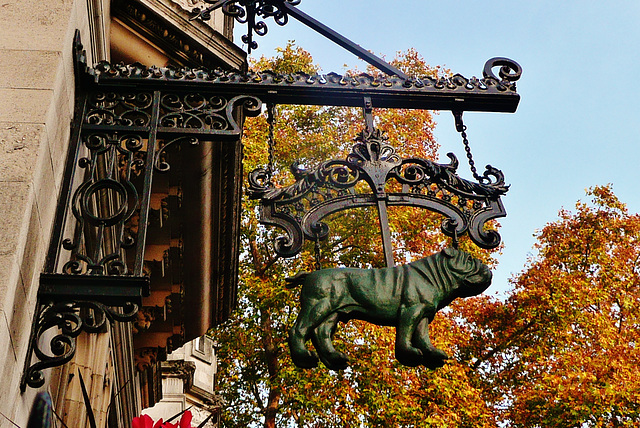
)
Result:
{"points": [[406, 297]]}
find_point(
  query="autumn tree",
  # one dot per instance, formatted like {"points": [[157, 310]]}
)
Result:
{"points": [[257, 378], [562, 350]]}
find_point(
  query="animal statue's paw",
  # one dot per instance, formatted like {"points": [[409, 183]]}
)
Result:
{"points": [[434, 358], [410, 357], [305, 359], [335, 361]]}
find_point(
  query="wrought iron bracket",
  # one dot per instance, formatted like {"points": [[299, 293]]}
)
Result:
{"points": [[120, 138], [68, 305]]}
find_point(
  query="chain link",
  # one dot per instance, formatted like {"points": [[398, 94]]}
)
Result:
{"points": [[316, 252], [462, 128], [271, 119], [472, 164]]}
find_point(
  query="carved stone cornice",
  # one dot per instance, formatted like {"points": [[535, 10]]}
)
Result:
{"points": [[185, 370], [185, 42], [178, 369]]}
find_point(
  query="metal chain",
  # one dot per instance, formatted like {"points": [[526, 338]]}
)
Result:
{"points": [[462, 128], [467, 149], [271, 119], [454, 238], [316, 251]]}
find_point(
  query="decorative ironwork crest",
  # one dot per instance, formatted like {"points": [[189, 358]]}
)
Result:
{"points": [[335, 185]]}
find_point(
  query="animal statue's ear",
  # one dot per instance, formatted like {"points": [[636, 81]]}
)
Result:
{"points": [[449, 252]]}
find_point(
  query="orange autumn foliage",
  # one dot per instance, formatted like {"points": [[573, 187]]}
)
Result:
{"points": [[562, 350]]}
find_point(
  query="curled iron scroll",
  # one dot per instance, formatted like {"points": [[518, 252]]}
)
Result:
{"points": [[70, 319], [509, 69], [246, 12]]}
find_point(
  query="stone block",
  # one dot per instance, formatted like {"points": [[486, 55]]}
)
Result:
{"points": [[34, 252], [47, 191], [11, 371], [16, 200], [20, 320], [9, 281], [19, 145], [28, 69], [66, 80], [34, 24], [59, 128], [6, 350], [25, 105]]}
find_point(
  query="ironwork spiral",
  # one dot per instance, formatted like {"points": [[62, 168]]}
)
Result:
{"points": [[70, 319], [245, 12], [509, 69]]}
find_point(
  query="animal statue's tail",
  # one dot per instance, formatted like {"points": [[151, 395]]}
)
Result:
{"points": [[294, 281]]}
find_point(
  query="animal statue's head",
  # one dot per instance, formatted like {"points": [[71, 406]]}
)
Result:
{"points": [[472, 276]]}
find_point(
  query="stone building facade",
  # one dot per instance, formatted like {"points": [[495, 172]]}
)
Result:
{"points": [[188, 379], [121, 366]]}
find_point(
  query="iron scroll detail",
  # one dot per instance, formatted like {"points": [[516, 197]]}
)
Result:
{"points": [[245, 12], [509, 69], [299, 209], [70, 319]]}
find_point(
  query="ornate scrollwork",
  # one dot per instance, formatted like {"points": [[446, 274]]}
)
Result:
{"points": [[211, 113], [70, 319], [246, 11], [193, 110], [125, 109], [418, 173], [388, 91], [113, 162], [333, 186]]}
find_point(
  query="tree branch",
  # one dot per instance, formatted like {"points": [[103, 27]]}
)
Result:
{"points": [[258, 264], [504, 346]]}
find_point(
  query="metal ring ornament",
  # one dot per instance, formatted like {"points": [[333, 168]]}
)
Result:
{"points": [[121, 196]]}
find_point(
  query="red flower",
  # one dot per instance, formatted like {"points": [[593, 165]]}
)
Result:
{"points": [[144, 421]]}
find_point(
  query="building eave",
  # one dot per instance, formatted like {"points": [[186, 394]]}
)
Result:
{"points": [[167, 26]]}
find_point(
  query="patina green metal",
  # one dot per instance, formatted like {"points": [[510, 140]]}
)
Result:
{"points": [[406, 297]]}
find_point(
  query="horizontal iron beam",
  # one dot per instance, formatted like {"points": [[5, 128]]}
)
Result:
{"points": [[109, 290], [456, 93]]}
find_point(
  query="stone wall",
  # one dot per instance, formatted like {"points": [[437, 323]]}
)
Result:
{"points": [[36, 110], [36, 107]]}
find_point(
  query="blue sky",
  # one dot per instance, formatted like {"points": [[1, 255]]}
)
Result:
{"points": [[578, 122]]}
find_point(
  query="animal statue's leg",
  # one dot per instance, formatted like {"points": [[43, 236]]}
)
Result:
{"points": [[322, 339], [408, 319], [432, 356], [312, 313]]}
